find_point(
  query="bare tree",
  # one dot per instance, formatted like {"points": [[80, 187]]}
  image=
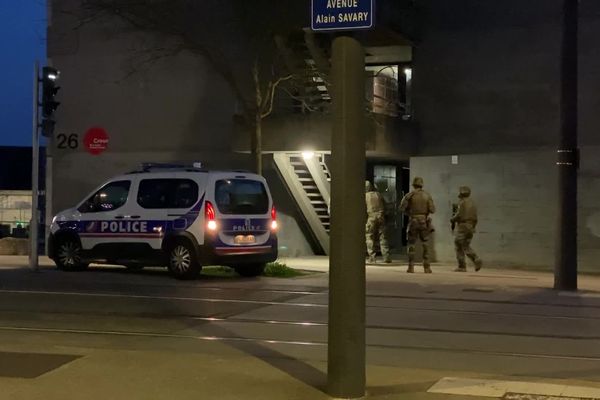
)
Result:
{"points": [[252, 67]]}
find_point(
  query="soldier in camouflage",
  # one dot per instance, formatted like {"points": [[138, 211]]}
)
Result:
{"points": [[375, 228], [465, 221], [418, 206]]}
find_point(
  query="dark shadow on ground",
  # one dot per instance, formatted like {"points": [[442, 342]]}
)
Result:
{"points": [[294, 367]]}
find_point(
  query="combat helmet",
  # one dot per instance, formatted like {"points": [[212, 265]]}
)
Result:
{"points": [[368, 186], [418, 182], [464, 191]]}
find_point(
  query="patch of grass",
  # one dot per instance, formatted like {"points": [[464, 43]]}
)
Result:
{"points": [[278, 269], [218, 271]]}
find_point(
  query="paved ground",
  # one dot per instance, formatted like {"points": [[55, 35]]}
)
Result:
{"points": [[112, 334]]}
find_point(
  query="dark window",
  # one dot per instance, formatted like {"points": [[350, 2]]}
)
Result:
{"points": [[167, 193], [110, 197], [240, 196]]}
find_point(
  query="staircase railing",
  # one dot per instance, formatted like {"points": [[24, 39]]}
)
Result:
{"points": [[305, 203]]}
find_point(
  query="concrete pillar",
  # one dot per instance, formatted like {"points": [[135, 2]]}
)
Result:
{"points": [[346, 351], [565, 272]]}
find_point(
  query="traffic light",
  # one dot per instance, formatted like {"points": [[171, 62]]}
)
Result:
{"points": [[49, 104]]}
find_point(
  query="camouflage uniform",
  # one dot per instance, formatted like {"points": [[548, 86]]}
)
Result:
{"points": [[465, 219], [375, 228], [418, 205]]}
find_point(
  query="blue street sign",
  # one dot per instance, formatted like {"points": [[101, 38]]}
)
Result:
{"points": [[330, 15]]}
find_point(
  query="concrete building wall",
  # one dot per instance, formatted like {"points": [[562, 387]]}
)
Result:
{"points": [[486, 81], [390, 138], [486, 75], [516, 197]]}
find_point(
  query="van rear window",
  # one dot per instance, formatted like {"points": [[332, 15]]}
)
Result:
{"points": [[241, 196]]}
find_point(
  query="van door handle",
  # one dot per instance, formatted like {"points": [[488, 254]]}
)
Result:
{"points": [[119, 217], [135, 216]]}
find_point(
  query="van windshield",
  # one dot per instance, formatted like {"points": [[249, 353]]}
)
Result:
{"points": [[241, 196]]}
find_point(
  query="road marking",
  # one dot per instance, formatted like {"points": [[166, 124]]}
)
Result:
{"points": [[497, 388], [592, 295], [461, 351], [159, 335], [321, 305], [134, 296], [541, 303]]}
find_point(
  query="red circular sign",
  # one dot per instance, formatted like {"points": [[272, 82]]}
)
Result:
{"points": [[95, 140]]}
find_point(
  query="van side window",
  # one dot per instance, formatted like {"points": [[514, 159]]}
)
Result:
{"points": [[167, 193], [112, 196]]}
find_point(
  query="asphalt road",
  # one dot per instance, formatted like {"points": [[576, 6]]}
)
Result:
{"points": [[470, 325]]}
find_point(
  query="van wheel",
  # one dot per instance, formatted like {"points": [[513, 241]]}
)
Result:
{"points": [[250, 270], [183, 262], [68, 255]]}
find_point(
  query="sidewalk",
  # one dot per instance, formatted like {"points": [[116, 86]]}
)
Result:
{"points": [[222, 373], [23, 261], [589, 285]]}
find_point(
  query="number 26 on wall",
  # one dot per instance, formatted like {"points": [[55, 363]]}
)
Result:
{"points": [[65, 141]]}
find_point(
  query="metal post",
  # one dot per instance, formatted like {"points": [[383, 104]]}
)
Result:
{"points": [[346, 351], [35, 169], [565, 272]]}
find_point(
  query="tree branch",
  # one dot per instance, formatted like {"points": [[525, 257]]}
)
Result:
{"points": [[271, 96], [301, 100]]}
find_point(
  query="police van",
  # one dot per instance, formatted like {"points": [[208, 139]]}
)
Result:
{"points": [[174, 215]]}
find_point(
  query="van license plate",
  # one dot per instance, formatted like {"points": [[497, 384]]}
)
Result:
{"points": [[244, 239]]}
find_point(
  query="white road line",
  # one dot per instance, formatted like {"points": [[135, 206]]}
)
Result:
{"points": [[497, 388], [286, 342], [159, 335], [592, 295], [292, 303], [133, 296]]}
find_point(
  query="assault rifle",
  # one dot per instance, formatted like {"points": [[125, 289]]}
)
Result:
{"points": [[454, 211]]}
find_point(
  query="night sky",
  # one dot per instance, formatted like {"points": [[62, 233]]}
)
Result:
{"points": [[22, 41]]}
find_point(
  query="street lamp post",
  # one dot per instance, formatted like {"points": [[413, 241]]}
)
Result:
{"points": [[35, 167]]}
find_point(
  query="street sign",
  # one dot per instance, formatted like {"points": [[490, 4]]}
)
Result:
{"points": [[95, 141], [340, 15]]}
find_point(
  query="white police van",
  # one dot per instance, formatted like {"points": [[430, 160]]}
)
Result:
{"points": [[174, 215]]}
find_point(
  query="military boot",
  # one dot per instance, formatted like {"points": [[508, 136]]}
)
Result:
{"points": [[411, 269], [461, 268], [371, 260], [427, 269], [478, 264], [387, 260]]}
